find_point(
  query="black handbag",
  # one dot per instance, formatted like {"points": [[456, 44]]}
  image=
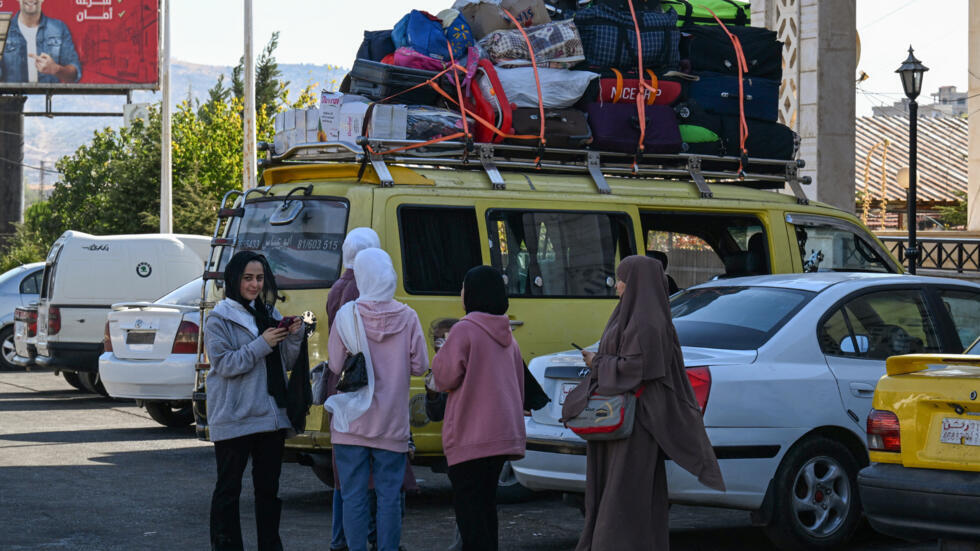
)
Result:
{"points": [[354, 375]]}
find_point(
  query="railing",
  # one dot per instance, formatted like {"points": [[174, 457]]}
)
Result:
{"points": [[938, 253]]}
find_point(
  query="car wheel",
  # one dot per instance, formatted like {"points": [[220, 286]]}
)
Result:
{"points": [[816, 501], [323, 468], [171, 414], [73, 380], [509, 490], [92, 382], [7, 349]]}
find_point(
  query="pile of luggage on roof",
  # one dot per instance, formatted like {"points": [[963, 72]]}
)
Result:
{"points": [[629, 76]]}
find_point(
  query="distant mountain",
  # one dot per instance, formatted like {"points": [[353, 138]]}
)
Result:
{"points": [[49, 139]]}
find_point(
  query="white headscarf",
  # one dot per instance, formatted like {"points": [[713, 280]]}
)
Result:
{"points": [[375, 275], [356, 241]]}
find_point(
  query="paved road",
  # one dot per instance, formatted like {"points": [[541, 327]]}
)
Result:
{"points": [[81, 472]]}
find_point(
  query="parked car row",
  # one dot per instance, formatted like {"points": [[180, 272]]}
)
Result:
{"points": [[784, 368]]}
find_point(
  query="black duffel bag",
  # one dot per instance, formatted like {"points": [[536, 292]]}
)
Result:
{"points": [[766, 139], [708, 48], [376, 45], [609, 37]]}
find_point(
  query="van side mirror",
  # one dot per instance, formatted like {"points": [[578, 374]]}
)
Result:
{"points": [[289, 209], [863, 343]]}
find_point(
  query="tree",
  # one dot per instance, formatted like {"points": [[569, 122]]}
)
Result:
{"points": [[268, 88], [955, 215]]}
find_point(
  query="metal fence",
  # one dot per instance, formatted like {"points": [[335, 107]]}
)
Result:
{"points": [[939, 253]]}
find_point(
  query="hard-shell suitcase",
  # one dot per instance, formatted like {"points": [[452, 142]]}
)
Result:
{"points": [[710, 49], [378, 81], [720, 94], [616, 127], [563, 128], [766, 139], [731, 12]]}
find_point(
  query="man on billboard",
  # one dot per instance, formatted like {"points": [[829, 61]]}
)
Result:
{"points": [[38, 49]]}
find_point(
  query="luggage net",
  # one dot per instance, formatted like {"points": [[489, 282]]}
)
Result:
{"points": [[492, 159]]}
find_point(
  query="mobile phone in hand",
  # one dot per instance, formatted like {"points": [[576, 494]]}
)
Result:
{"points": [[285, 322], [577, 346]]}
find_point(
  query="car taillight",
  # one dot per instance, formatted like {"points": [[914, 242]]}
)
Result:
{"points": [[186, 340], [106, 339], [54, 320], [883, 431], [32, 323], [700, 378]]}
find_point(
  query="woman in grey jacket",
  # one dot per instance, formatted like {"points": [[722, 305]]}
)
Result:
{"points": [[247, 399]]}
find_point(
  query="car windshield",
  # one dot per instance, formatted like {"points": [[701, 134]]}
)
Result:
{"points": [[734, 318], [188, 294]]}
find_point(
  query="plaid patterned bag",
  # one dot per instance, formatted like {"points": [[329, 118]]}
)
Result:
{"points": [[556, 45], [609, 37]]}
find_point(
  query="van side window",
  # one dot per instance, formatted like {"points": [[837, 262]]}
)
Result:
{"points": [[832, 245], [439, 245], [559, 254], [700, 247]]}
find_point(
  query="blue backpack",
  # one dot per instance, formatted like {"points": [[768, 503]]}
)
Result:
{"points": [[423, 32]]}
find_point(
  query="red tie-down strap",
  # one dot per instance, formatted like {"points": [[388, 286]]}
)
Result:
{"points": [[641, 110], [537, 83]]}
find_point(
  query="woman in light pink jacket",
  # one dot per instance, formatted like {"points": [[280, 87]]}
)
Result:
{"points": [[374, 441], [480, 366]]}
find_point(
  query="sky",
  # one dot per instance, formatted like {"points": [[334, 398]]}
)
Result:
{"points": [[329, 32]]}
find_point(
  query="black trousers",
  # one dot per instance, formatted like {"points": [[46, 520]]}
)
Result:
{"points": [[475, 500], [265, 449]]}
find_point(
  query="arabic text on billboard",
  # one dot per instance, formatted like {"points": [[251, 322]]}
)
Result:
{"points": [[83, 44]]}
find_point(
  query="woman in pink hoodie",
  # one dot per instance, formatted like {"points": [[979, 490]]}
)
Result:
{"points": [[373, 441], [480, 367]]}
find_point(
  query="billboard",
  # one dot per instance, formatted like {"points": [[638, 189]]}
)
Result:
{"points": [[78, 45]]}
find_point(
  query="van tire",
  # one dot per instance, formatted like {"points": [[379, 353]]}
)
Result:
{"points": [[171, 414], [92, 382], [825, 469], [7, 350], [72, 378]]}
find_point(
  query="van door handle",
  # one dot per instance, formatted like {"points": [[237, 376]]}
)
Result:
{"points": [[516, 323], [862, 390]]}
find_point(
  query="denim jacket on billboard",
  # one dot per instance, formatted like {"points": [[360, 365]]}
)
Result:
{"points": [[53, 38]]}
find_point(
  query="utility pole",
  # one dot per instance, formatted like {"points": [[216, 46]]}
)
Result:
{"points": [[11, 159], [166, 145], [249, 165]]}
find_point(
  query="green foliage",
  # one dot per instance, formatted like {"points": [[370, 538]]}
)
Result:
{"points": [[111, 185], [955, 215]]}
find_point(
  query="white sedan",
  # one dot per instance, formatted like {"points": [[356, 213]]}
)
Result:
{"points": [[151, 351], [784, 368]]}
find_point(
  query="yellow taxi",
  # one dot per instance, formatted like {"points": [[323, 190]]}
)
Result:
{"points": [[924, 447]]}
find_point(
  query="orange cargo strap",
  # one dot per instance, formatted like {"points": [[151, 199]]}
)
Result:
{"points": [[619, 92], [537, 83], [459, 93], [644, 87], [743, 67]]}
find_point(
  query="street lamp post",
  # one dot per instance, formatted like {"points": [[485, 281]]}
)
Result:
{"points": [[911, 72]]}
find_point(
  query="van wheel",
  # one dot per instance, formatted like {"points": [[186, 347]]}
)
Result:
{"points": [[92, 382], [171, 414], [509, 490], [7, 349], [72, 378], [816, 501]]}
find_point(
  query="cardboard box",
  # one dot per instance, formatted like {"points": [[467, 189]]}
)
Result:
{"points": [[341, 117], [486, 16], [389, 122]]}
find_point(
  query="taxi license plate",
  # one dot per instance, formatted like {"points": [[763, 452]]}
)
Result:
{"points": [[960, 431], [565, 389]]}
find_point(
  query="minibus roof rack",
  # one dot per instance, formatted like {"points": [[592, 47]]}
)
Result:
{"points": [[494, 158]]}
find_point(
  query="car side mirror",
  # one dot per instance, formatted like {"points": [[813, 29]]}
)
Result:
{"points": [[863, 343]]}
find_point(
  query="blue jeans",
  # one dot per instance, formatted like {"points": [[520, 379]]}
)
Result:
{"points": [[356, 465]]}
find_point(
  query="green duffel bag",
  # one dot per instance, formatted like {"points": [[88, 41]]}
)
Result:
{"points": [[695, 12]]}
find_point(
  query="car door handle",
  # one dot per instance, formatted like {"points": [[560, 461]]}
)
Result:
{"points": [[862, 390]]}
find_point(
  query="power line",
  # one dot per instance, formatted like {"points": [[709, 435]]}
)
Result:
{"points": [[46, 170], [887, 15]]}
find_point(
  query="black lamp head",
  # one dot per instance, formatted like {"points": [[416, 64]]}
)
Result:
{"points": [[911, 72]]}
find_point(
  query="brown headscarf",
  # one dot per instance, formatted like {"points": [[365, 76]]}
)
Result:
{"points": [[640, 346]]}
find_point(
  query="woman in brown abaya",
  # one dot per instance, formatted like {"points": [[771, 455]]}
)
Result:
{"points": [[626, 485]]}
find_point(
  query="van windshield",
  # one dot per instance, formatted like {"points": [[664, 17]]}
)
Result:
{"points": [[304, 250], [734, 318]]}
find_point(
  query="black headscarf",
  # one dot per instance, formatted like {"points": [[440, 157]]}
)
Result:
{"points": [[262, 312], [484, 291]]}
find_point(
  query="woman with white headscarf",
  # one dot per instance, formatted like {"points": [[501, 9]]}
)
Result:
{"points": [[369, 429], [344, 289]]}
